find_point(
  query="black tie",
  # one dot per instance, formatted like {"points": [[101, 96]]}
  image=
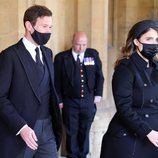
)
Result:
{"points": [[78, 60], [38, 60]]}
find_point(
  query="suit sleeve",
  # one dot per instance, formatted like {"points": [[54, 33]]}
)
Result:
{"points": [[99, 80], [58, 75], [8, 112]]}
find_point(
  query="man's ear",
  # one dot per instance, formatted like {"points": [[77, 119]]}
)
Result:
{"points": [[28, 26]]}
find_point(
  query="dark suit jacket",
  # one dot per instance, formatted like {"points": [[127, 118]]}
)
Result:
{"points": [[19, 99], [64, 71]]}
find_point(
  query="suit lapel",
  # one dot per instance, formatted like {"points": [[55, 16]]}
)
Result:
{"points": [[69, 66], [27, 62], [49, 63]]}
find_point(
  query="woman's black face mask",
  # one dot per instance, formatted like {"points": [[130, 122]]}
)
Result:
{"points": [[149, 50]]}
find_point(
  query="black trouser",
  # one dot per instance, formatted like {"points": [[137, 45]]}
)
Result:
{"points": [[78, 116]]}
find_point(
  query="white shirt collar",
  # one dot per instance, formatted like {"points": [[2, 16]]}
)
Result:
{"points": [[75, 55], [31, 48]]}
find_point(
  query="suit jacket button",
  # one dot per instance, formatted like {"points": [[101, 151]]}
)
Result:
{"points": [[151, 100], [146, 115], [145, 85], [124, 134]]}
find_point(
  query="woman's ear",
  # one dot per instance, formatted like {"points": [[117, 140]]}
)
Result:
{"points": [[136, 42]]}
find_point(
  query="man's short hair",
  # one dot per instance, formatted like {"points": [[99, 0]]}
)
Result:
{"points": [[34, 12]]}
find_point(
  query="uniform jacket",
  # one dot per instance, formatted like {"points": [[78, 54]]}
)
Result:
{"points": [[19, 99], [64, 70]]}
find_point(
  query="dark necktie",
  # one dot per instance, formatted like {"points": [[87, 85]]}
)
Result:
{"points": [[78, 60], [38, 60]]}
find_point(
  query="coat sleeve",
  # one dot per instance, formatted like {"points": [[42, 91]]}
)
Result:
{"points": [[8, 112], [122, 87], [58, 75], [99, 78]]}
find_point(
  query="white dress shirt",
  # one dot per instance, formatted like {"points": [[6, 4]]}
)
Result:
{"points": [[31, 49], [81, 56]]}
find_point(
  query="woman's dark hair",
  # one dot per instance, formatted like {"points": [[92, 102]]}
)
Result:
{"points": [[135, 33], [34, 12]]}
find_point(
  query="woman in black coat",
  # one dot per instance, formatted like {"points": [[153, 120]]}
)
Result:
{"points": [[133, 131]]}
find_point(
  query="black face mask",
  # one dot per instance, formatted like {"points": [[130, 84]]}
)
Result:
{"points": [[40, 38], [149, 50]]}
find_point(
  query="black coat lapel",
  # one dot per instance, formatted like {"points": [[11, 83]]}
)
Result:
{"points": [[69, 66], [49, 63], [140, 65], [26, 61]]}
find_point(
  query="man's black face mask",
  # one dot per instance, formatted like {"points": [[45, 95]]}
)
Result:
{"points": [[40, 38]]}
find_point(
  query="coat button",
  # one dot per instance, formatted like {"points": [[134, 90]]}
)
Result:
{"points": [[145, 85], [151, 100], [124, 134], [146, 115]]}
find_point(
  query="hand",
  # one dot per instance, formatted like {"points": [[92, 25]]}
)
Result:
{"points": [[60, 105], [97, 99], [153, 137], [29, 136]]}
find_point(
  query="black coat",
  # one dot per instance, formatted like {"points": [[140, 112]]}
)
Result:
{"points": [[135, 91], [64, 73], [19, 98]]}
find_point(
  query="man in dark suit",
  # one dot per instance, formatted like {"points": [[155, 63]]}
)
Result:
{"points": [[30, 124], [79, 83]]}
